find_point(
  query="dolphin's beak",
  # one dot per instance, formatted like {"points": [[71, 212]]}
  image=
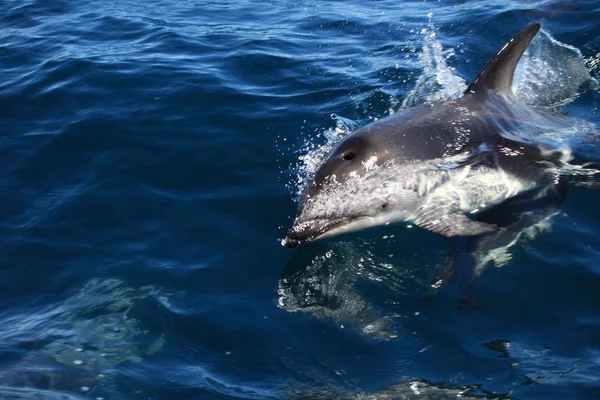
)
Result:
{"points": [[307, 231]]}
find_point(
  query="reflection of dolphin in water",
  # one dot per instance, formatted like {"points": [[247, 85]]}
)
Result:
{"points": [[437, 166], [521, 218]]}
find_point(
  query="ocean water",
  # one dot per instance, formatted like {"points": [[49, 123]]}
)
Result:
{"points": [[151, 158]]}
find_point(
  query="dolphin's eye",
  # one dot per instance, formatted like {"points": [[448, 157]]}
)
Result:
{"points": [[384, 205], [348, 156]]}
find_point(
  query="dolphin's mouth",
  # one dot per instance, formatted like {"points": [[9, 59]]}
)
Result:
{"points": [[307, 231]]}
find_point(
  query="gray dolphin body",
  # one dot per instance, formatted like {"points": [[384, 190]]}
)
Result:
{"points": [[435, 165]]}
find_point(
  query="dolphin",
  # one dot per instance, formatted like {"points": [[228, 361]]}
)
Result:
{"points": [[436, 166]]}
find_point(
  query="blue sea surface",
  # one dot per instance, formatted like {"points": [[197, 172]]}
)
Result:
{"points": [[151, 155]]}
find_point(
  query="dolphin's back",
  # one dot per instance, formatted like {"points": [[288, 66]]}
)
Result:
{"points": [[445, 129], [424, 132]]}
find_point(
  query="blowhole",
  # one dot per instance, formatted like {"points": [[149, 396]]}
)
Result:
{"points": [[349, 156]]}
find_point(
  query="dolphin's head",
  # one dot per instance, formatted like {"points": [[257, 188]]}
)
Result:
{"points": [[350, 191], [354, 156]]}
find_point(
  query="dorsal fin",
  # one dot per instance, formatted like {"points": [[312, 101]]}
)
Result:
{"points": [[498, 72]]}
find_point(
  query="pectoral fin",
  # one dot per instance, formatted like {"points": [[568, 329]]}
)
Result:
{"points": [[456, 224]]}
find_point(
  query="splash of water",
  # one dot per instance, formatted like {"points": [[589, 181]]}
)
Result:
{"points": [[315, 154], [551, 73], [437, 81]]}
